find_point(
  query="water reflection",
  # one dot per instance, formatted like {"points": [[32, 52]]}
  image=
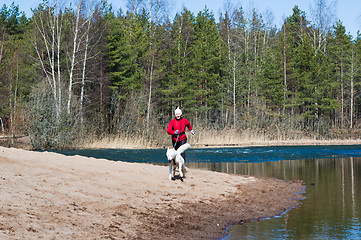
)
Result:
{"points": [[331, 209]]}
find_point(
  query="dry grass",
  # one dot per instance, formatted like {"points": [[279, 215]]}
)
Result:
{"points": [[231, 137], [214, 138], [117, 142]]}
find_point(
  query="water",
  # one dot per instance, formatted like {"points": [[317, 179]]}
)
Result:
{"points": [[332, 176], [331, 209], [225, 155]]}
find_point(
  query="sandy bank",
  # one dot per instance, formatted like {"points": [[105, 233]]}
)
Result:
{"points": [[51, 196]]}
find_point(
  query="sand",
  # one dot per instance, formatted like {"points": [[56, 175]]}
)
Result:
{"points": [[52, 196]]}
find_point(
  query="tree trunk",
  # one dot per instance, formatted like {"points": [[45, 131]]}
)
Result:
{"points": [[234, 90], [284, 72], [83, 74], [342, 96], [101, 85], [72, 60], [2, 46], [246, 36], [352, 90], [50, 50], [150, 92], [2, 127], [58, 32]]}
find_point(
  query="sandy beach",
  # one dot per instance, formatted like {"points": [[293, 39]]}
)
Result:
{"points": [[52, 196]]}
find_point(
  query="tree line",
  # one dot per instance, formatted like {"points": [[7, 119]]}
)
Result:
{"points": [[70, 72]]}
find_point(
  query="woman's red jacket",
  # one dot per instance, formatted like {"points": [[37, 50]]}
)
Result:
{"points": [[180, 125]]}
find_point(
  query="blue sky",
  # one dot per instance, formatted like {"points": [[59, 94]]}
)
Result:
{"points": [[348, 11]]}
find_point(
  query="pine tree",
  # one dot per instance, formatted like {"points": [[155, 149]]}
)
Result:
{"points": [[357, 75], [127, 47], [178, 60], [206, 80], [340, 53], [16, 73], [271, 81], [298, 66]]}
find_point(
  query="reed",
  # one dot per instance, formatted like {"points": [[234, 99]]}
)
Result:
{"points": [[214, 138], [116, 142]]}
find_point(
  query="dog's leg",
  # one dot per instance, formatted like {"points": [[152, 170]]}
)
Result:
{"points": [[180, 169], [170, 171]]}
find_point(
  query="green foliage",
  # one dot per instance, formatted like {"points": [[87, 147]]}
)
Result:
{"points": [[178, 56], [142, 66], [16, 74], [271, 80], [205, 75], [127, 44], [13, 21]]}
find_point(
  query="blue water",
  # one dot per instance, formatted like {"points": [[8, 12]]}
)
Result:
{"points": [[243, 155], [332, 176]]}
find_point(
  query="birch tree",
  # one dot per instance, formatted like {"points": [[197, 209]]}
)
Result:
{"points": [[226, 32], [157, 10], [232, 28], [135, 6], [89, 16], [74, 53], [322, 18], [79, 53], [47, 45], [62, 46]]}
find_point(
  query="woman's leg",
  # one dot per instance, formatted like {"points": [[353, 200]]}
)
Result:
{"points": [[180, 144]]}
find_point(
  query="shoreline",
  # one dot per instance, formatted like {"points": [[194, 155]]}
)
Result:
{"points": [[23, 142], [236, 145], [241, 145], [50, 195]]}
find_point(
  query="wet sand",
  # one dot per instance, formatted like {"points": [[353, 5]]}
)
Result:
{"points": [[52, 196]]}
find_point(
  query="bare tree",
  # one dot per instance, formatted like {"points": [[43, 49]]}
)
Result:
{"points": [[89, 16], [81, 29], [323, 17], [74, 52], [135, 5], [51, 47], [49, 26]]}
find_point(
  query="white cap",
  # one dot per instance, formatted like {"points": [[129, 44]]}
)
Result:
{"points": [[178, 111]]}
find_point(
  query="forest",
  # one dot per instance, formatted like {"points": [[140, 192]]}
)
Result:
{"points": [[86, 72]]}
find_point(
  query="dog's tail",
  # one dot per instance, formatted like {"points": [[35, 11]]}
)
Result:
{"points": [[183, 148]]}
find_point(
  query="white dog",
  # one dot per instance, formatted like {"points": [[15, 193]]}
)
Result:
{"points": [[175, 159]]}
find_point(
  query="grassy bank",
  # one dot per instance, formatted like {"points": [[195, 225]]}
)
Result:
{"points": [[215, 138], [203, 138]]}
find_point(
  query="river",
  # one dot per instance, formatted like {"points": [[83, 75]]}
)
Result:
{"points": [[332, 175]]}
